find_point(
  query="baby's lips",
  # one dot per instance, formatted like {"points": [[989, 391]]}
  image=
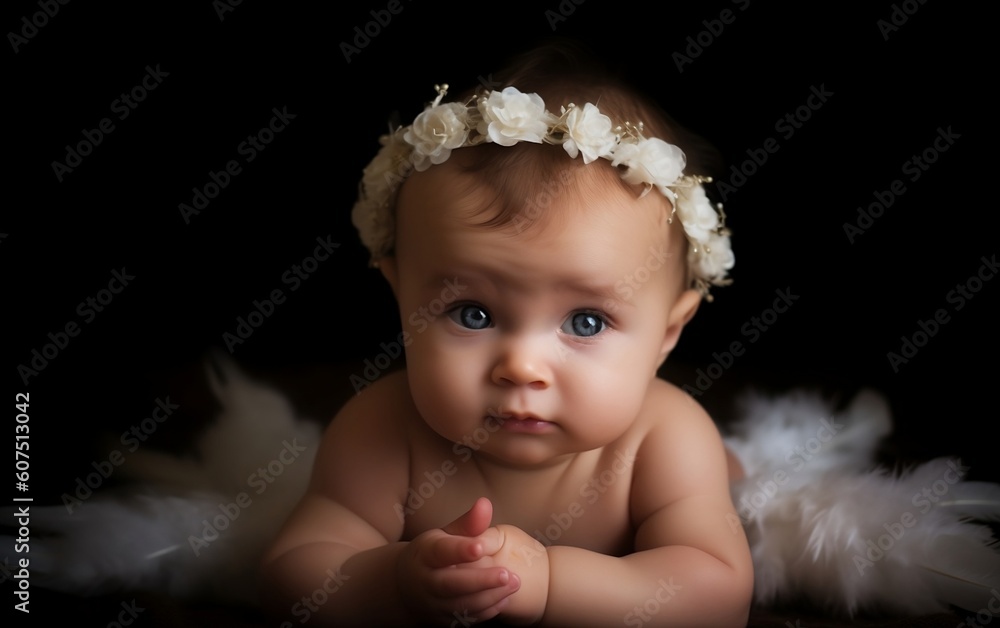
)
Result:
{"points": [[514, 415]]}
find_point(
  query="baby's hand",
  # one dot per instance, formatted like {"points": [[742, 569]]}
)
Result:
{"points": [[446, 574], [522, 554]]}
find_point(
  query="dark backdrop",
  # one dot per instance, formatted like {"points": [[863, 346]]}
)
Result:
{"points": [[894, 77]]}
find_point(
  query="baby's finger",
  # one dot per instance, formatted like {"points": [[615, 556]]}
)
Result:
{"points": [[487, 603], [468, 581], [474, 521], [452, 550], [491, 541]]}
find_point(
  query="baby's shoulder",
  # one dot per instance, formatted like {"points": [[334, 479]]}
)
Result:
{"points": [[673, 425], [667, 405], [380, 410], [389, 391], [679, 452]]}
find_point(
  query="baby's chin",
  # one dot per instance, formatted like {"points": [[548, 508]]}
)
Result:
{"points": [[521, 454]]}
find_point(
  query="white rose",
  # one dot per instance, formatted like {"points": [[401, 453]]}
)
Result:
{"points": [[436, 132], [650, 161], [714, 258], [589, 133], [696, 213], [511, 116]]}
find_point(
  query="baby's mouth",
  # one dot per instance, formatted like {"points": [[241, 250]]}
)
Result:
{"points": [[495, 418], [521, 422]]}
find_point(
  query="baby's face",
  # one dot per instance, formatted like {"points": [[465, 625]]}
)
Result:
{"points": [[544, 335]]}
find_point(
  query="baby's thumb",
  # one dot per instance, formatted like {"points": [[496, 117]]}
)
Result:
{"points": [[474, 522]]}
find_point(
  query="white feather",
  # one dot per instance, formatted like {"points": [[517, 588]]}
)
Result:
{"points": [[801, 426], [826, 526], [134, 541], [188, 527]]}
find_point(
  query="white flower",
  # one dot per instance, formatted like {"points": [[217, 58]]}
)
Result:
{"points": [[380, 179], [696, 213], [711, 253], [436, 132], [511, 116], [390, 166], [650, 161], [589, 133], [713, 258]]}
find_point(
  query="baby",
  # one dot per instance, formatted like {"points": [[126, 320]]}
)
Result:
{"points": [[528, 465]]}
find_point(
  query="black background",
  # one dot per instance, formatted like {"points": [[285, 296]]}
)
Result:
{"points": [[119, 208]]}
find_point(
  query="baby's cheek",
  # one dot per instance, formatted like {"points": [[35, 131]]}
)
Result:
{"points": [[604, 408]]}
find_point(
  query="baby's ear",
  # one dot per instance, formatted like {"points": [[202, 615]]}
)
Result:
{"points": [[683, 311], [390, 271]]}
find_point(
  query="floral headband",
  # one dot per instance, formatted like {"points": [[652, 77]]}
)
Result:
{"points": [[509, 117]]}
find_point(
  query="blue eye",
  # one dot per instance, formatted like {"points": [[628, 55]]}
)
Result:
{"points": [[471, 317], [585, 324]]}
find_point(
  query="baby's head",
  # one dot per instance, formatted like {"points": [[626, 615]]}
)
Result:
{"points": [[545, 258], [565, 120]]}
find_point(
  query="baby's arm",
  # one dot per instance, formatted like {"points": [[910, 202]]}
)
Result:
{"points": [[339, 559], [691, 565]]}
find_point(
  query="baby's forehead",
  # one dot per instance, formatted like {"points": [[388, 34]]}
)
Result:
{"points": [[537, 210], [596, 229], [527, 188]]}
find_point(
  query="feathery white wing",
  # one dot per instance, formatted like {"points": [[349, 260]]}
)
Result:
{"points": [[826, 525], [190, 527]]}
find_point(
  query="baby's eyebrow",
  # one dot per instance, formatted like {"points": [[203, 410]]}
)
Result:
{"points": [[611, 296], [604, 295]]}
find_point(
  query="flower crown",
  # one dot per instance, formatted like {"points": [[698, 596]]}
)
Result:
{"points": [[510, 116]]}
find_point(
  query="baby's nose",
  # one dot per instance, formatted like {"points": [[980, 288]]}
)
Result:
{"points": [[522, 362]]}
